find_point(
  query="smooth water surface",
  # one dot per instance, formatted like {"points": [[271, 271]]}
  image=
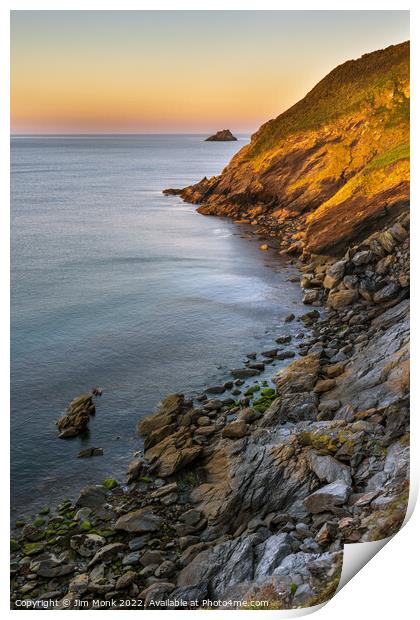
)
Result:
{"points": [[115, 285]]}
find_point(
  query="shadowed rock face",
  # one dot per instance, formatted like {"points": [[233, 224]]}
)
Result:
{"points": [[224, 135], [339, 158]]}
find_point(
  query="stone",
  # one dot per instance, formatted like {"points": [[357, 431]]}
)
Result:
{"points": [[334, 370], [328, 497], [289, 318], [91, 496], [362, 258], [342, 299], [79, 583], [151, 556], [87, 545], [50, 566], [310, 296], [139, 521], [131, 558], [328, 469], [107, 553], [324, 385], [271, 553], [243, 373], [173, 453], [77, 416], [386, 293], [126, 580], [334, 275], [191, 517], [235, 430], [89, 452], [300, 376], [156, 592], [166, 569], [135, 468]]}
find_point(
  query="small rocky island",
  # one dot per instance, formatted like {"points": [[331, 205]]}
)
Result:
{"points": [[224, 135]]}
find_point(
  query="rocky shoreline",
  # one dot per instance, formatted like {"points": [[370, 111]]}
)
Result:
{"points": [[250, 497]]}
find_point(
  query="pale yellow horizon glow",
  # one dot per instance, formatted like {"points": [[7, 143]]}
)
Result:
{"points": [[76, 71]]}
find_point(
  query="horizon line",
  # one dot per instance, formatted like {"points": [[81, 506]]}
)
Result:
{"points": [[125, 133]]}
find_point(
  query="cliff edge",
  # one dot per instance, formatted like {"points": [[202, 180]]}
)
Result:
{"points": [[337, 161]]}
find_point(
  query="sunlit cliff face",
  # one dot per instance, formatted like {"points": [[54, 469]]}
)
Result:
{"points": [[123, 71]]}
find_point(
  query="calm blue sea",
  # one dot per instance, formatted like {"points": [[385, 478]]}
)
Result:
{"points": [[115, 285]]}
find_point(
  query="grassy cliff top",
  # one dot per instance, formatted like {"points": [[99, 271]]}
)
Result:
{"points": [[347, 88]]}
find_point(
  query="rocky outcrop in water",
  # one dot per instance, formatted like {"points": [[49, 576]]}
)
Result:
{"points": [[224, 135], [77, 416]]}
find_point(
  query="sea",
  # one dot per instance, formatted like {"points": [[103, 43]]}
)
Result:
{"points": [[115, 285]]}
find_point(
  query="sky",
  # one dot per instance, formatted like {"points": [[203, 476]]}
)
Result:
{"points": [[178, 71]]}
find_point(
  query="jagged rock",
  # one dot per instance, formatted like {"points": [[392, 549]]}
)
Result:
{"points": [[328, 497], [300, 376], [107, 553], [173, 453], [334, 274], [224, 135], [135, 468], [139, 521], [328, 469], [386, 293], [77, 416]]}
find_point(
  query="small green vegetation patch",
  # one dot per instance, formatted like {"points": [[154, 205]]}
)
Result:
{"points": [[110, 483], [266, 398]]}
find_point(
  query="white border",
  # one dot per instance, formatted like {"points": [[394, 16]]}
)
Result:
{"points": [[387, 586]]}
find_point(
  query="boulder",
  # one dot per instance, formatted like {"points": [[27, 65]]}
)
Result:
{"points": [[299, 376], [328, 469], [77, 416], [91, 496], [341, 299], [107, 553], [334, 274], [328, 498], [87, 545], [173, 453], [139, 521], [235, 430], [50, 566], [388, 292]]}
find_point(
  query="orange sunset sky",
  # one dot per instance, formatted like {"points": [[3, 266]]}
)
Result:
{"points": [[178, 71]]}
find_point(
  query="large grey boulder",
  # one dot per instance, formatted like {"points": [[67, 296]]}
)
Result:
{"points": [[139, 521], [328, 469], [327, 498]]}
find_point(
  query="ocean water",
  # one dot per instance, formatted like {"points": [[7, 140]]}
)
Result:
{"points": [[115, 285]]}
